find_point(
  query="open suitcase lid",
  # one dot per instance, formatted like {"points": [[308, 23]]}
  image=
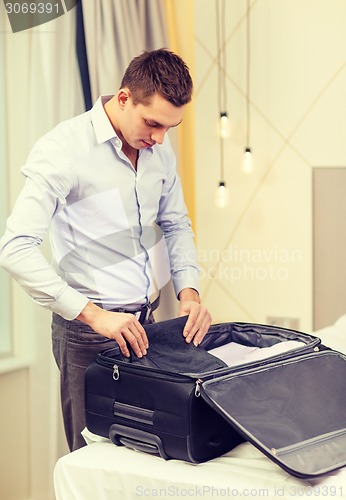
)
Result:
{"points": [[294, 411]]}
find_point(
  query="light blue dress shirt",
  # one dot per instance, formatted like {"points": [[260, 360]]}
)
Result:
{"points": [[117, 234]]}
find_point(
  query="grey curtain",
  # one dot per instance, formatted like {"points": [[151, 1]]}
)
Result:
{"points": [[115, 32]]}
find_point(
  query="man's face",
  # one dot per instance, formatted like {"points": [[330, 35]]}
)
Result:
{"points": [[142, 126]]}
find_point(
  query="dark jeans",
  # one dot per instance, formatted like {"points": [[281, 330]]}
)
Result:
{"points": [[75, 345]]}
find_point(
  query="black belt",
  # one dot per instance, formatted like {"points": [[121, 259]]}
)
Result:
{"points": [[143, 313]]}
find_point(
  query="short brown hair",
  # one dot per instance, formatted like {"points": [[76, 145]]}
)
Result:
{"points": [[159, 71]]}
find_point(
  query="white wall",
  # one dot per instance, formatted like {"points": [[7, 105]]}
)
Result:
{"points": [[297, 94]]}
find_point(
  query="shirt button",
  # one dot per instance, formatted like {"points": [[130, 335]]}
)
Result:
{"points": [[117, 142]]}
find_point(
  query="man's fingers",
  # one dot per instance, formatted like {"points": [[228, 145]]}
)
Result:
{"points": [[123, 346], [137, 340], [138, 331], [197, 326], [190, 323], [132, 333], [202, 331]]}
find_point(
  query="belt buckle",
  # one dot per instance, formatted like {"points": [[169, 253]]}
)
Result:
{"points": [[144, 313]]}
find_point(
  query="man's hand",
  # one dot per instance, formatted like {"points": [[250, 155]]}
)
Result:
{"points": [[121, 327], [199, 319]]}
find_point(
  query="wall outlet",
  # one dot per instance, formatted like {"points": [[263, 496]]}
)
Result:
{"points": [[284, 322]]}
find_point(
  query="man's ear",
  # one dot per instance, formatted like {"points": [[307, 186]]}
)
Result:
{"points": [[123, 97]]}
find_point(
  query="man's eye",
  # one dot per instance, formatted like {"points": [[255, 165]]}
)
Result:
{"points": [[150, 124]]}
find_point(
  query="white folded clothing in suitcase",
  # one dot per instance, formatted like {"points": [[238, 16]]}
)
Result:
{"points": [[234, 354]]}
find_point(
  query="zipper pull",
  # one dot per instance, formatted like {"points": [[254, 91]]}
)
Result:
{"points": [[115, 372], [197, 388]]}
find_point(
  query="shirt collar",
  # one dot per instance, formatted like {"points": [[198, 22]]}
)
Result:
{"points": [[102, 126]]}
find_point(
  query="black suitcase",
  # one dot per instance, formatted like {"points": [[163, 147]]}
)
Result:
{"points": [[291, 406]]}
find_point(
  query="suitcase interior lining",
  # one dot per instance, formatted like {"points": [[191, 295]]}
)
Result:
{"points": [[251, 335], [266, 401], [296, 409], [256, 336]]}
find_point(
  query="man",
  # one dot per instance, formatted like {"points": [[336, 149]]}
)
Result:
{"points": [[105, 183]]}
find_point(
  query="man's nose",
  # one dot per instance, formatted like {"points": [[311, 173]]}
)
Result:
{"points": [[158, 135]]}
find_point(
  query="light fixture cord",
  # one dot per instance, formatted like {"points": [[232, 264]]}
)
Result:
{"points": [[222, 88], [248, 68], [224, 55]]}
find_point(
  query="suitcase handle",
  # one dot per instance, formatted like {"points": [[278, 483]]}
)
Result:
{"points": [[137, 439]]}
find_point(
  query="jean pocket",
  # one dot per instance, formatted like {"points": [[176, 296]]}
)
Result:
{"points": [[86, 337]]}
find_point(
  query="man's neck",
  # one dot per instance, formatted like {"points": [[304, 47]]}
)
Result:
{"points": [[131, 153]]}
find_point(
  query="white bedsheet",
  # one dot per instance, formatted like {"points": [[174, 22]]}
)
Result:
{"points": [[103, 471]]}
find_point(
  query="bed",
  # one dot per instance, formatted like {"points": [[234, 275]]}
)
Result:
{"points": [[107, 472]]}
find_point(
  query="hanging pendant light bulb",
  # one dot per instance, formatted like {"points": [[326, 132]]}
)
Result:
{"points": [[221, 195], [224, 125], [247, 161], [248, 158]]}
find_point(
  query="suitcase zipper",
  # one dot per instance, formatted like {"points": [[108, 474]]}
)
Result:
{"points": [[115, 372], [120, 366], [199, 381]]}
